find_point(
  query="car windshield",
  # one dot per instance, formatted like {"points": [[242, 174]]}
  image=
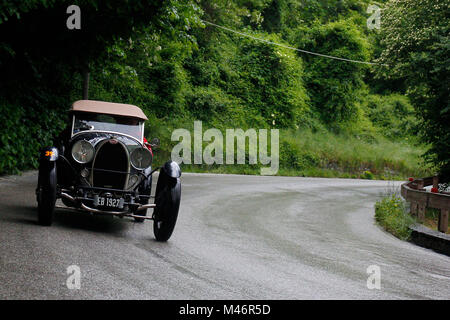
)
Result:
{"points": [[106, 122]]}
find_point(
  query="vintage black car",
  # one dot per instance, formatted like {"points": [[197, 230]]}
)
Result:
{"points": [[102, 164]]}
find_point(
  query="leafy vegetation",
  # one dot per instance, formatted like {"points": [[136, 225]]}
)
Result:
{"points": [[391, 214], [336, 118], [416, 38], [335, 87]]}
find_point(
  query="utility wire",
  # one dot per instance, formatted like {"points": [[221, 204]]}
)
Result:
{"points": [[288, 47]]}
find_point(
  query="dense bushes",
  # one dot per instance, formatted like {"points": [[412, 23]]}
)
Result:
{"points": [[393, 115], [415, 38], [41, 61], [335, 87], [271, 82], [266, 81], [23, 132]]}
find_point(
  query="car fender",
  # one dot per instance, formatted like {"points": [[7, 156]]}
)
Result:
{"points": [[172, 169]]}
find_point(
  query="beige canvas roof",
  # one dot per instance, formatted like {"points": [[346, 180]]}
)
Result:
{"points": [[120, 109]]}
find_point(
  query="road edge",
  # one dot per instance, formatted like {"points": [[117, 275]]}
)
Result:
{"points": [[430, 239]]}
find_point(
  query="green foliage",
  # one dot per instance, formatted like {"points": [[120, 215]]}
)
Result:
{"points": [[159, 56], [367, 175], [15, 9], [266, 81], [335, 87], [270, 82], [41, 60], [319, 152], [292, 157], [393, 115], [23, 133], [416, 41], [391, 214], [211, 104], [37, 29], [313, 12]]}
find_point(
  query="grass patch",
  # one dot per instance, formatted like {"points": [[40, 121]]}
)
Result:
{"points": [[432, 218], [353, 156], [321, 153], [391, 214]]}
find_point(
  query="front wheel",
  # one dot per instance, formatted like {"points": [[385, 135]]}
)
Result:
{"points": [[167, 200], [46, 193]]}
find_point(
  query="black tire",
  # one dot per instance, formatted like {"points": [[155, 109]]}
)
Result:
{"points": [[167, 200], [46, 196]]}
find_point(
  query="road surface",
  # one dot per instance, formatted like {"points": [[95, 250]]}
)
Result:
{"points": [[237, 237]]}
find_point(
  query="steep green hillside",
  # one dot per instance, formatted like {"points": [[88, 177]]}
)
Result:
{"points": [[336, 117]]}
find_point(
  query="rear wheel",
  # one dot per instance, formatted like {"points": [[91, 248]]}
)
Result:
{"points": [[167, 200], [46, 196]]}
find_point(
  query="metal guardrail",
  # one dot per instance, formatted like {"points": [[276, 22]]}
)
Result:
{"points": [[421, 199]]}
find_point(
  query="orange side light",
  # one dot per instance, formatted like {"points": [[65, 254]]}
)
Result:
{"points": [[48, 153]]}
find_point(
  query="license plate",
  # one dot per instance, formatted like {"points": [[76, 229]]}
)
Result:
{"points": [[108, 202]]}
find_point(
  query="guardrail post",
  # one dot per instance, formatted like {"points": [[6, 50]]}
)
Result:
{"points": [[436, 182], [421, 212], [420, 184], [420, 200], [413, 208], [443, 220]]}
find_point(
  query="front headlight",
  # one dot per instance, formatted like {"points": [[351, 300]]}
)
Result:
{"points": [[83, 151], [141, 158]]}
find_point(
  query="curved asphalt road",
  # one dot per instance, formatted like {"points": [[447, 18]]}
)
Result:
{"points": [[237, 237]]}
